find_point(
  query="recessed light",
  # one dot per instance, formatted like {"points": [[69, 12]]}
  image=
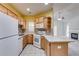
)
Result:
{"points": [[46, 3], [28, 9]]}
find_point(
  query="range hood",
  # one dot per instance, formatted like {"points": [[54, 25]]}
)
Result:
{"points": [[40, 31]]}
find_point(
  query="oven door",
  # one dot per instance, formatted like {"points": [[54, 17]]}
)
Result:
{"points": [[37, 41]]}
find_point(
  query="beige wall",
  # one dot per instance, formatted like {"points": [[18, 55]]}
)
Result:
{"points": [[46, 13], [29, 18]]}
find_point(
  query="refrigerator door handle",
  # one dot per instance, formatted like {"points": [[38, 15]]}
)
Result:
{"points": [[8, 36]]}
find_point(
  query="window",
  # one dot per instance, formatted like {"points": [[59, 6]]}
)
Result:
{"points": [[31, 26]]}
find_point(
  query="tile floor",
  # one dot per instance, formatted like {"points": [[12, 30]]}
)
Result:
{"points": [[31, 50]]}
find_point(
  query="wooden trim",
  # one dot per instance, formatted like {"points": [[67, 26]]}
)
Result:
{"points": [[8, 9], [2, 9], [8, 12]]}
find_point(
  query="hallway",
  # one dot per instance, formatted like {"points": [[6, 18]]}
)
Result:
{"points": [[31, 50]]}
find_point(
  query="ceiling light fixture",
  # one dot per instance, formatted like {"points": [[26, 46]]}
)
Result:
{"points": [[28, 9]]}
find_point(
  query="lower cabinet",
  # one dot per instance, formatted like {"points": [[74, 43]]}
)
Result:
{"points": [[42, 42], [54, 48], [30, 38], [59, 49], [27, 39]]}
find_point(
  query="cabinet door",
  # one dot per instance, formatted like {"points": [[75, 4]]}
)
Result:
{"points": [[30, 39], [25, 40], [42, 42], [48, 50], [45, 47], [37, 20], [59, 49]]}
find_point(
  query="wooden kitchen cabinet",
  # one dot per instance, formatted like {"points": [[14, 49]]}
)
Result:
{"points": [[43, 43], [43, 22], [25, 41], [54, 48], [39, 20], [57, 49], [48, 52], [30, 38], [47, 24], [3, 9]]}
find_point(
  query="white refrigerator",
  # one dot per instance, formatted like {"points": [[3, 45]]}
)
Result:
{"points": [[10, 45]]}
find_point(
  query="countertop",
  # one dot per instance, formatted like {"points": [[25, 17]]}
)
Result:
{"points": [[21, 36], [26, 33], [50, 38]]}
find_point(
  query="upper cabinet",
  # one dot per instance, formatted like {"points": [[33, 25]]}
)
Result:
{"points": [[11, 14], [5, 10], [47, 24], [2, 9], [36, 20], [41, 19], [43, 23], [39, 22]]}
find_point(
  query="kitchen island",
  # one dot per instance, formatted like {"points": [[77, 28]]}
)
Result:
{"points": [[55, 46]]}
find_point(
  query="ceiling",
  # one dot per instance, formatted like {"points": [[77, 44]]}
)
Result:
{"points": [[68, 10], [35, 8]]}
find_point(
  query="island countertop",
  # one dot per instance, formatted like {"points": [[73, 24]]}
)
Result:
{"points": [[50, 38]]}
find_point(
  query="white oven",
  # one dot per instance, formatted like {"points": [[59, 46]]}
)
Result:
{"points": [[37, 41]]}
